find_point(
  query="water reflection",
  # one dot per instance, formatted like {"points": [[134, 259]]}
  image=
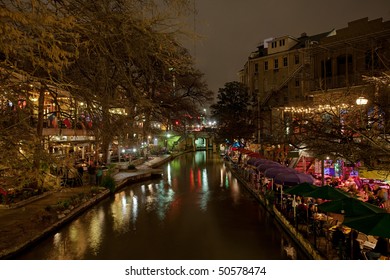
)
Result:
{"points": [[78, 238], [95, 231], [196, 211], [204, 198], [120, 212]]}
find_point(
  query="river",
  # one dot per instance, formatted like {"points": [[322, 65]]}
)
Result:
{"points": [[196, 211]]}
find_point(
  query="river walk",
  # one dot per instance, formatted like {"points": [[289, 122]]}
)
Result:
{"points": [[23, 225]]}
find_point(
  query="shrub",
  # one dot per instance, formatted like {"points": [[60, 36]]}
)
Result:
{"points": [[108, 182], [131, 167], [62, 205]]}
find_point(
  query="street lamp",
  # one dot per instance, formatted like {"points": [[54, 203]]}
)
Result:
{"points": [[166, 142], [361, 101]]}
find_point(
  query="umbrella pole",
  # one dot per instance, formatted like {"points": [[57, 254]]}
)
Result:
{"points": [[351, 245], [294, 210], [281, 197]]}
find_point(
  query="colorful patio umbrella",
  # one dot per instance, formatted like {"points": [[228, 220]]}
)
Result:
{"points": [[350, 206], [244, 151], [273, 171], [251, 161], [292, 178], [375, 224], [262, 161], [326, 192], [300, 189], [263, 167], [255, 155]]}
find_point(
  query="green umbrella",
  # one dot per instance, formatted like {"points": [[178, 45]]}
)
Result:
{"points": [[350, 206], [326, 192], [300, 189], [374, 224]]}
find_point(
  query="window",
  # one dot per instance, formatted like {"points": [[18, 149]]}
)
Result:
{"points": [[276, 63], [296, 59], [256, 68], [282, 42], [326, 68], [265, 65], [285, 64], [371, 60], [297, 82]]}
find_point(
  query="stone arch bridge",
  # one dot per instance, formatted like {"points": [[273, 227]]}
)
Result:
{"points": [[198, 140]]}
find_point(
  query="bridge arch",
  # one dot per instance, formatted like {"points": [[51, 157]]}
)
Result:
{"points": [[203, 141]]}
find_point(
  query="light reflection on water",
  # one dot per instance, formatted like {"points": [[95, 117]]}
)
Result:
{"points": [[196, 211], [95, 231], [120, 213], [205, 191]]}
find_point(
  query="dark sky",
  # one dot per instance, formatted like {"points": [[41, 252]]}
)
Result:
{"points": [[232, 29]]}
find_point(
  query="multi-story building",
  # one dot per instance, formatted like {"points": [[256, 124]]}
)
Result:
{"points": [[286, 71]]}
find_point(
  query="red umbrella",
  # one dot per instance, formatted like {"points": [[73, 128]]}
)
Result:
{"points": [[255, 155]]}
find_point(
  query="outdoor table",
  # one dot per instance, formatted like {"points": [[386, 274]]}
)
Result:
{"points": [[322, 217], [368, 245], [344, 229]]}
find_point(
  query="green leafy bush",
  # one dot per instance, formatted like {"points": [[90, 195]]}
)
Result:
{"points": [[108, 182], [131, 167]]}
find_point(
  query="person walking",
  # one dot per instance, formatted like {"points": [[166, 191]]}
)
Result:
{"points": [[99, 175], [80, 173], [92, 173]]}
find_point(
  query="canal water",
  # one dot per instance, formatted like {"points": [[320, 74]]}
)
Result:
{"points": [[196, 211]]}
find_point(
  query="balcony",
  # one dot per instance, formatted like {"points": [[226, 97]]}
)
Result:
{"points": [[66, 132]]}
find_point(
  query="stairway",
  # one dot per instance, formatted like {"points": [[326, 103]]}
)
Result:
{"points": [[303, 164], [283, 84]]}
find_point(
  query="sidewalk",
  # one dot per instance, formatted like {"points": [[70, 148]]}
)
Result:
{"points": [[22, 226]]}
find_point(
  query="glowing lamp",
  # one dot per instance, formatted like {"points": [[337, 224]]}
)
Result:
{"points": [[361, 101]]}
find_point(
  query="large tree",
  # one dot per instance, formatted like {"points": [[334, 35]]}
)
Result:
{"points": [[232, 112], [129, 55], [106, 54], [37, 43]]}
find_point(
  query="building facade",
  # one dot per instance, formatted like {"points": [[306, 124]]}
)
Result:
{"points": [[289, 72]]}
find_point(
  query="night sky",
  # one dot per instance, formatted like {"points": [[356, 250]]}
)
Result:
{"points": [[232, 29]]}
